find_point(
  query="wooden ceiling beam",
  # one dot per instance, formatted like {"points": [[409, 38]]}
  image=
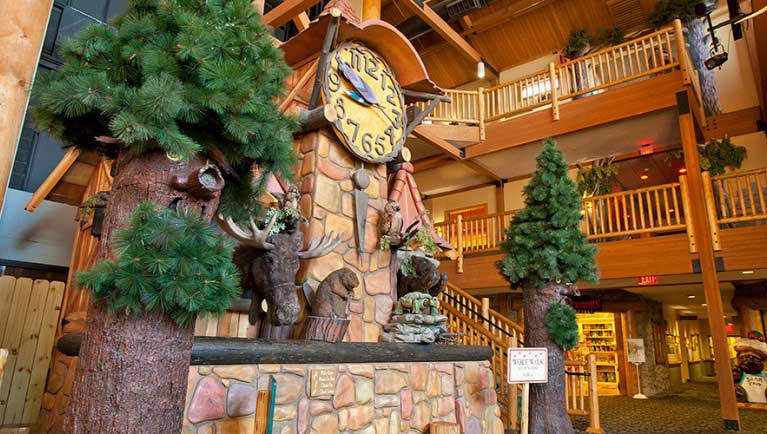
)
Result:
{"points": [[286, 10], [429, 162], [515, 10], [50, 182], [301, 21], [440, 26], [454, 153], [735, 123]]}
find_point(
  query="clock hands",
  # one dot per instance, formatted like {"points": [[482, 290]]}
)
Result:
{"points": [[365, 94]]}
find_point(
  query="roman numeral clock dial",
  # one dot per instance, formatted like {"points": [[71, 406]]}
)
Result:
{"points": [[368, 100]]}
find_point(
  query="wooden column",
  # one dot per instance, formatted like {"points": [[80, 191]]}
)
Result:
{"points": [[371, 10], [500, 200], [704, 241], [23, 23]]}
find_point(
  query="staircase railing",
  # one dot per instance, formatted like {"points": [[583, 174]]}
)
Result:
{"points": [[465, 316]]}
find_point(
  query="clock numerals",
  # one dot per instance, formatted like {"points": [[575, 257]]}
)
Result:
{"points": [[371, 67], [334, 81], [350, 121], [340, 108], [390, 132], [397, 118], [379, 147]]}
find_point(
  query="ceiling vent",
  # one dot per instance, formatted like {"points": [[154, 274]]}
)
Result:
{"points": [[463, 7]]}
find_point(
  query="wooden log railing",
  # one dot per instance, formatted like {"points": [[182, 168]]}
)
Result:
{"points": [[655, 209], [581, 390], [655, 53], [479, 325], [738, 197]]}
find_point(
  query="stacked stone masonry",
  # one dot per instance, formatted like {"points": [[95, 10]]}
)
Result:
{"points": [[327, 200], [385, 398]]}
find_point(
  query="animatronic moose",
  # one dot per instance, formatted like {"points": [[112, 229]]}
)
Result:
{"points": [[268, 262]]}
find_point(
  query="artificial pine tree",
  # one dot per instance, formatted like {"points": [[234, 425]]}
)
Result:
{"points": [[546, 254], [180, 93], [698, 44]]}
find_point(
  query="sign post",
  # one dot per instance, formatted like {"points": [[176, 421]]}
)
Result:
{"points": [[526, 366], [636, 356]]}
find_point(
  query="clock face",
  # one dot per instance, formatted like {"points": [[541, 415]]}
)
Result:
{"points": [[368, 100]]}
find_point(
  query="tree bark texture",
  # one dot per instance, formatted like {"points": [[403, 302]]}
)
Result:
{"points": [[548, 407], [698, 44], [132, 372]]}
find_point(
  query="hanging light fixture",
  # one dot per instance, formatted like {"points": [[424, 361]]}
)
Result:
{"points": [[480, 69]]}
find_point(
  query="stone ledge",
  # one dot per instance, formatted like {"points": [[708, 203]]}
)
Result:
{"points": [[240, 351]]}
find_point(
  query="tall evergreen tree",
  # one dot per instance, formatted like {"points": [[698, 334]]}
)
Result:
{"points": [[180, 93], [546, 254], [698, 43]]}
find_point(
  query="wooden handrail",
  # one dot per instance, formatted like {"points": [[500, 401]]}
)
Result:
{"points": [[611, 66], [493, 314]]}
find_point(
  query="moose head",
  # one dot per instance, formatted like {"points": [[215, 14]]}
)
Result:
{"points": [[268, 264]]}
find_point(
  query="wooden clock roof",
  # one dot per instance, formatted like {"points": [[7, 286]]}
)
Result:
{"points": [[377, 35]]}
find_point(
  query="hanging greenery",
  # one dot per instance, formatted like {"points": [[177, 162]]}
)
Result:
{"points": [[285, 217], [718, 155], [667, 11], [562, 325], [608, 36], [186, 77], [596, 180], [169, 261], [577, 42]]}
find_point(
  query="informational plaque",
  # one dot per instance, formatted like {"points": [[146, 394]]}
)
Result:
{"points": [[528, 365], [322, 382], [635, 350]]}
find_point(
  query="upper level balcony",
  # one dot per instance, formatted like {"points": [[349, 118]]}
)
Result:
{"points": [[481, 127], [638, 232]]}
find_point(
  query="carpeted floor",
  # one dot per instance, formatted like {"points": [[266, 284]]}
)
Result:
{"points": [[689, 409]]}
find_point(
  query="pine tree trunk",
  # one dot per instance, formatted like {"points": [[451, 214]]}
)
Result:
{"points": [[548, 408], [132, 371], [698, 46]]}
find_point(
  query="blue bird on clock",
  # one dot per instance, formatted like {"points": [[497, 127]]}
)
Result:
{"points": [[363, 93]]}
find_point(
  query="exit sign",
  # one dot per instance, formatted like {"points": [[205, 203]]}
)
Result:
{"points": [[647, 280]]}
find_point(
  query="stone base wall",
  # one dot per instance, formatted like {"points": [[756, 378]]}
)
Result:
{"points": [[379, 398]]}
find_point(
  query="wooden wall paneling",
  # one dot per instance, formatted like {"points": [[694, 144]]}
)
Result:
{"points": [[12, 334], [43, 352], [741, 247], [25, 355]]}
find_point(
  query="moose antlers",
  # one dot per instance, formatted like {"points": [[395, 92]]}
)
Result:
{"points": [[321, 247], [253, 237]]}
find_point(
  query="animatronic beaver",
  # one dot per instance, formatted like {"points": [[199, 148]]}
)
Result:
{"points": [[749, 377]]}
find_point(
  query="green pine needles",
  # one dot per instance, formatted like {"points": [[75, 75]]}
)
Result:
{"points": [[185, 77], [167, 260], [562, 325], [544, 243]]}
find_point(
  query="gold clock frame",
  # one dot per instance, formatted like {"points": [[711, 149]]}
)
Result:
{"points": [[337, 125]]}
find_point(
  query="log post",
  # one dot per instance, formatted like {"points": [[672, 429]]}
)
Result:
{"points": [[460, 242], [554, 93], [729, 407], [594, 424], [512, 407], [317, 118], [371, 10], [481, 113], [685, 190], [713, 219], [525, 422], [485, 312], [681, 49], [23, 23]]}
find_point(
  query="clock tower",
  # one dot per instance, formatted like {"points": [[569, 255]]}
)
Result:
{"points": [[362, 79]]}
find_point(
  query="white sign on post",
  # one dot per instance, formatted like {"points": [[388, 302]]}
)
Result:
{"points": [[635, 350], [528, 365]]}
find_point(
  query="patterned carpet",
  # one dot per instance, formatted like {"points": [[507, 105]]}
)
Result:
{"points": [[689, 409]]}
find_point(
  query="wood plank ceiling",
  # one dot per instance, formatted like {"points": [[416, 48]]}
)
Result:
{"points": [[508, 33]]}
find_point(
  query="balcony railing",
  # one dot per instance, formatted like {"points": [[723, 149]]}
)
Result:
{"points": [[652, 54], [733, 199]]}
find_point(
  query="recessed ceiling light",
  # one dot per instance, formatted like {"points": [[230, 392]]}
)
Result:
{"points": [[748, 272], [703, 304], [682, 170], [690, 296]]}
